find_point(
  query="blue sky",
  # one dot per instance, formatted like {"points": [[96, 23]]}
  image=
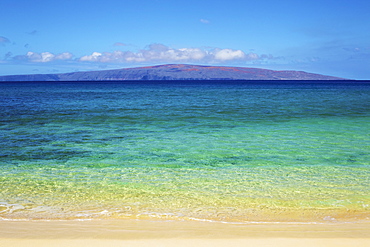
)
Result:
{"points": [[329, 37]]}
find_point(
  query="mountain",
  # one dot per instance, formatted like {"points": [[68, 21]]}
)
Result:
{"points": [[174, 72]]}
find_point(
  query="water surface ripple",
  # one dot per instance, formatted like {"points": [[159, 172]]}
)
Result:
{"points": [[234, 152]]}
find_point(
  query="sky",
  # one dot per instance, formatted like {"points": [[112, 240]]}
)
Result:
{"points": [[330, 37]]}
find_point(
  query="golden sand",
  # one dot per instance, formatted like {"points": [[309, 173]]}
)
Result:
{"points": [[273, 242], [179, 233]]}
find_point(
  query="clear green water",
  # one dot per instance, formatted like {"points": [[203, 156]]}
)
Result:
{"points": [[226, 152]]}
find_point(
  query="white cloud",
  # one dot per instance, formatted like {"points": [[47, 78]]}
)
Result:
{"points": [[45, 57], [64, 56], [194, 53], [204, 21], [228, 54], [162, 53], [157, 53], [95, 57]]}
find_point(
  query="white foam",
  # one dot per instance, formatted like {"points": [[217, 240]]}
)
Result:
{"points": [[10, 208]]}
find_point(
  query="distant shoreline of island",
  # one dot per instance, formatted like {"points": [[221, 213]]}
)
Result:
{"points": [[179, 72], [205, 81]]}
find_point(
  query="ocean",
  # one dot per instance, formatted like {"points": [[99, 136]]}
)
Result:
{"points": [[226, 151]]}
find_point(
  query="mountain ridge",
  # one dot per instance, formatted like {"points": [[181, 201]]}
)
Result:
{"points": [[175, 72]]}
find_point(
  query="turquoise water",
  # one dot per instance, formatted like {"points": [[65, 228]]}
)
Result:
{"points": [[203, 151]]}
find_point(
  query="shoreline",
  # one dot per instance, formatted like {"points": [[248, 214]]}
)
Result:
{"points": [[179, 233]]}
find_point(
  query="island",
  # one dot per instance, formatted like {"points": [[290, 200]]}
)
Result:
{"points": [[174, 72]]}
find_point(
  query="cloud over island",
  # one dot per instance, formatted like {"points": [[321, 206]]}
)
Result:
{"points": [[162, 53], [152, 53]]}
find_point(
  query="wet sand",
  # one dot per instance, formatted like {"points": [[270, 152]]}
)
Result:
{"points": [[179, 233]]}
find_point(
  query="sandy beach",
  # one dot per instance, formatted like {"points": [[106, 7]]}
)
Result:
{"points": [[179, 233]]}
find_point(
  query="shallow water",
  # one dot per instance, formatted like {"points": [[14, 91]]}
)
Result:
{"points": [[208, 151]]}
